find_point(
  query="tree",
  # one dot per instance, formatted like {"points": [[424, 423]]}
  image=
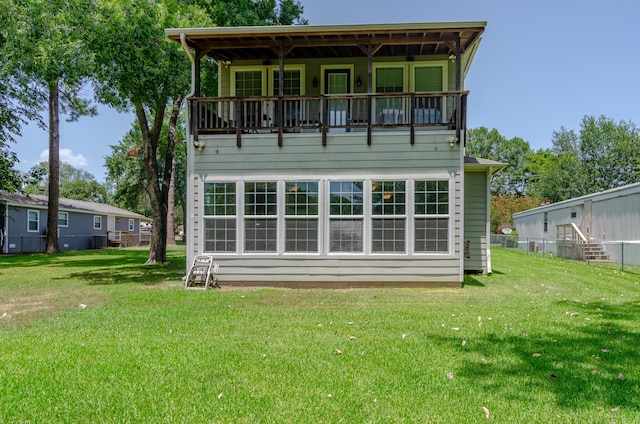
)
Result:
{"points": [[609, 152], [490, 144], [15, 107], [75, 183], [253, 12], [140, 69], [503, 208], [126, 171], [46, 47]]}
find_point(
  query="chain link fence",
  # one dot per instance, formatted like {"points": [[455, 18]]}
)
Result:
{"points": [[623, 255]]}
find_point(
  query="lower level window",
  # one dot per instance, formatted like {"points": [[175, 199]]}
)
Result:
{"points": [[345, 235], [346, 215], [220, 234], [261, 217], [388, 235], [432, 235], [400, 217]]}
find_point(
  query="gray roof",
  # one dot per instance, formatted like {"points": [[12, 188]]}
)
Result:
{"points": [[484, 164], [67, 205]]}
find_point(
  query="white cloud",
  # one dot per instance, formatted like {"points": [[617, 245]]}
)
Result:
{"points": [[66, 155]]}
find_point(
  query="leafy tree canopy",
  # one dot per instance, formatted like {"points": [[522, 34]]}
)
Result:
{"points": [[75, 183]]}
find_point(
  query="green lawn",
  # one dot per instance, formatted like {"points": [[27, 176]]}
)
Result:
{"points": [[541, 340]]}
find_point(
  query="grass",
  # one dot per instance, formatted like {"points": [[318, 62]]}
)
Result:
{"points": [[541, 340]]}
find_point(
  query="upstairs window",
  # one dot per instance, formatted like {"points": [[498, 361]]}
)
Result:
{"points": [[428, 78], [390, 80], [248, 83], [292, 82]]}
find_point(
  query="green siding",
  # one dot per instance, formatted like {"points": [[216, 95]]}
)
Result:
{"points": [[345, 155], [475, 220]]}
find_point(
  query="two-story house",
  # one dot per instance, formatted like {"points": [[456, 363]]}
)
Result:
{"points": [[335, 154]]}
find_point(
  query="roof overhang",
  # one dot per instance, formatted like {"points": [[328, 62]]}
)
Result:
{"points": [[331, 41], [472, 164]]}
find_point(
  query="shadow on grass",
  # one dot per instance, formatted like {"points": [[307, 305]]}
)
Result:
{"points": [[469, 280], [132, 274], [584, 364], [77, 258]]}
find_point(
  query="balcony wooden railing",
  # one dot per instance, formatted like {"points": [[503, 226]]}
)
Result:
{"points": [[328, 113]]}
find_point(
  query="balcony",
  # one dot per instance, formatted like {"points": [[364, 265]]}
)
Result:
{"points": [[365, 113]]}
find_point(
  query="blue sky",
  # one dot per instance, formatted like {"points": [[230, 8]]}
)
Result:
{"points": [[541, 65]]}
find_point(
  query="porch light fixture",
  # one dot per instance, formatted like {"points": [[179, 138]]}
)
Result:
{"points": [[315, 82], [359, 81]]}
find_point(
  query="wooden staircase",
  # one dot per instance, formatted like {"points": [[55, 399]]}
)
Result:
{"points": [[594, 252]]}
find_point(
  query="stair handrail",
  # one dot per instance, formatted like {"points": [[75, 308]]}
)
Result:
{"points": [[577, 230]]}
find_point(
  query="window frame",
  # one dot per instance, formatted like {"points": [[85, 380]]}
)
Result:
{"points": [[353, 217], [132, 225], [66, 220], [424, 216], [324, 216], [29, 220], [267, 216], [235, 216], [383, 216], [309, 216], [97, 219]]}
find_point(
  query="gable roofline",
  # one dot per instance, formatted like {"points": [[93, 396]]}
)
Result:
{"points": [[67, 205], [626, 190], [480, 164], [174, 33]]}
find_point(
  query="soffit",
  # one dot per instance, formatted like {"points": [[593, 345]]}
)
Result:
{"points": [[330, 41]]}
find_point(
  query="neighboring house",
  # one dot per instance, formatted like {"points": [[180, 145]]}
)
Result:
{"points": [[335, 154], [81, 225], [606, 219]]}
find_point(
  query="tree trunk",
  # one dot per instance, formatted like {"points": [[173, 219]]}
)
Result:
{"points": [[171, 203], [150, 138], [172, 141], [54, 169]]}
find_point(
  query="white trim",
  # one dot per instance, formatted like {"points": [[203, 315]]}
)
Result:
{"points": [[67, 224], [29, 230], [99, 227], [132, 224], [324, 217]]}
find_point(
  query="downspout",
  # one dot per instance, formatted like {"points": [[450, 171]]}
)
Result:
{"points": [[489, 220], [190, 153], [185, 47]]}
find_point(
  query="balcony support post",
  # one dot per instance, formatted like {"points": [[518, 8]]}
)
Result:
{"points": [[458, 88], [281, 54], [238, 124]]}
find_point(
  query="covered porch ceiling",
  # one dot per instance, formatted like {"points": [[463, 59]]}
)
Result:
{"points": [[330, 41]]}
